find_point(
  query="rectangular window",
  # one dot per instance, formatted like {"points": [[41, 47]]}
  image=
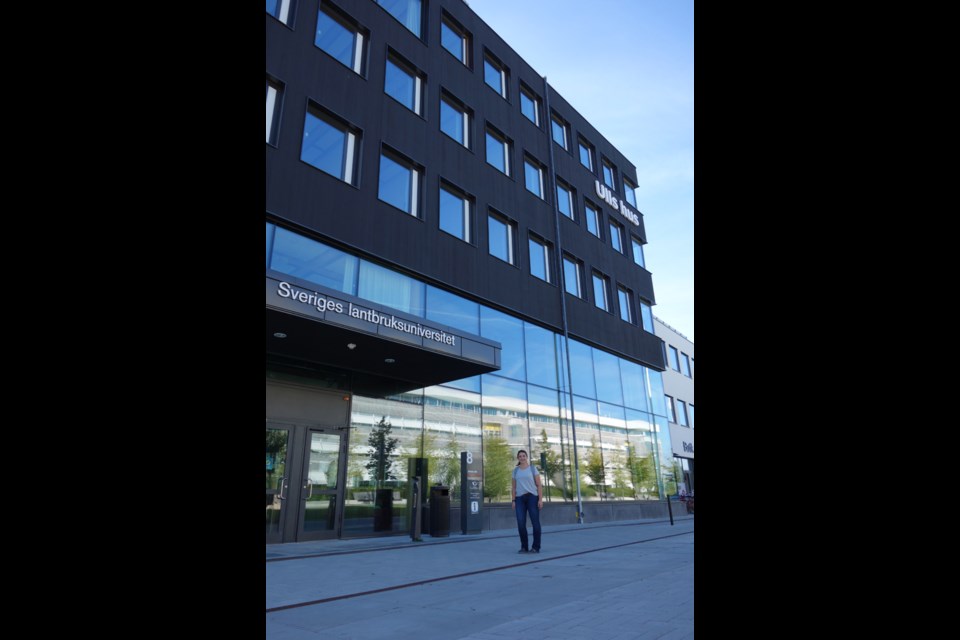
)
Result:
{"points": [[571, 276], [329, 144], [406, 11], [625, 298], [533, 176], [646, 314], [403, 83], [593, 217], [399, 182], [616, 236], [341, 37], [681, 413], [586, 154], [565, 200], [674, 358], [690, 414], [540, 258], [455, 119], [495, 75], [529, 105], [502, 234], [637, 252], [282, 10], [559, 128], [601, 297], [274, 99], [609, 175], [455, 39], [685, 364], [498, 151], [455, 213], [670, 414], [629, 191]]}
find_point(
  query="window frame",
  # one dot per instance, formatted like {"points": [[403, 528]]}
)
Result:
{"points": [[685, 364], [466, 213], [466, 116], [671, 412], [547, 249], [350, 161], [289, 14], [420, 30], [419, 80], [274, 109], [606, 164], [673, 358], [629, 191], [415, 184], [616, 235], [557, 121], [361, 37], [494, 62], [536, 164], [589, 206], [571, 198], [605, 290], [682, 413], [446, 20], [532, 96], [578, 274], [492, 132], [591, 154], [628, 294], [511, 229], [635, 244]]}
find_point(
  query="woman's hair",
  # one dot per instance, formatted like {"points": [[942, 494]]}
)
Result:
{"points": [[518, 455]]}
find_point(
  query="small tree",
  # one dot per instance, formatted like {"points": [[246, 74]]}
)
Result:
{"points": [[594, 466], [552, 465], [497, 467], [382, 447]]}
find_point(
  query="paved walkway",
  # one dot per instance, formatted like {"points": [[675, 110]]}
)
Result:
{"points": [[603, 581]]}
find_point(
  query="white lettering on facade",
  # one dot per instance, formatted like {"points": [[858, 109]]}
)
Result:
{"points": [[322, 304], [604, 192]]}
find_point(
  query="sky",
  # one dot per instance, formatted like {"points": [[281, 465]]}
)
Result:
{"points": [[627, 67]]}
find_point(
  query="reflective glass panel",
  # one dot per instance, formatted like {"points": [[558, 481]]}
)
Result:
{"points": [[453, 215], [450, 309], [406, 11], [538, 260], [396, 184], [634, 392], [390, 288], [313, 261], [451, 121], [528, 107], [335, 39], [400, 85], [607, 369], [541, 355], [324, 146], [531, 176], [492, 76], [496, 152], [593, 220], [508, 331], [581, 367], [452, 42]]}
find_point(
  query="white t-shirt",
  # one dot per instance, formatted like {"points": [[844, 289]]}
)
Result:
{"points": [[525, 481]]}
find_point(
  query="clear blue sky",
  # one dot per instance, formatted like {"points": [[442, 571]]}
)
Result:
{"points": [[627, 67]]}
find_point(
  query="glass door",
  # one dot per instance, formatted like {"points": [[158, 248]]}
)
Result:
{"points": [[277, 483], [320, 493]]}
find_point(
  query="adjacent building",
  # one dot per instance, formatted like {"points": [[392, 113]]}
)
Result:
{"points": [[678, 399], [454, 264]]}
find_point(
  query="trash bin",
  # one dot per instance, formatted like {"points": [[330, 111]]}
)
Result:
{"points": [[440, 511]]}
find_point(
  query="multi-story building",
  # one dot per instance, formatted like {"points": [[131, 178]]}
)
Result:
{"points": [[454, 263], [678, 399]]}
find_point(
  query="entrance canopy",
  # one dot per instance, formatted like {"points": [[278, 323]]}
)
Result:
{"points": [[391, 351]]}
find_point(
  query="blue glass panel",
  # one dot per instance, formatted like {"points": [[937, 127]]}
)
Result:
{"points": [[543, 402], [571, 277], [625, 306], [451, 41], [491, 75], [615, 237], [612, 417], [634, 391], [581, 368], [495, 153], [631, 195], [585, 411], [390, 288], [607, 370], [655, 391], [400, 85], [647, 315], [505, 410], [638, 253], [608, 176], [272, 6], [538, 260], [335, 39], [563, 201], [395, 184], [593, 225], [499, 239], [451, 121], [451, 214], [585, 158], [541, 355], [531, 177], [270, 230], [528, 108], [509, 333], [452, 310], [406, 11], [599, 292], [558, 133], [690, 413], [323, 146], [467, 384], [313, 261]]}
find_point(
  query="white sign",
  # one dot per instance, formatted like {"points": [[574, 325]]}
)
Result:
{"points": [[618, 205], [474, 507]]}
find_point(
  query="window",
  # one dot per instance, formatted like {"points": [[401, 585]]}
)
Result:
{"points": [[674, 359], [406, 11], [637, 251], [629, 192], [616, 236], [593, 217], [670, 414], [601, 285], [274, 98], [685, 364], [455, 39], [454, 119], [498, 151], [495, 75], [502, 234], [571, 276], [609, 175], [625, 298], [565, 199], [681, 413], [646, 314], [559, 128], [690, 414], [282, 10], [403, 83], [540, 258], [529, 105], [455, 213], [586, 154], [533, 176], [399, 182], [340, 37], [329, 144]]}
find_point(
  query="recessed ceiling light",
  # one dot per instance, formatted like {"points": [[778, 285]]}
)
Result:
{"points": [[389, 360], [279, 334], [351, 346]]}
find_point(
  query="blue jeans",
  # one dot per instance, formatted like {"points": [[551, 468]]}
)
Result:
{"points": [[528, 503]]}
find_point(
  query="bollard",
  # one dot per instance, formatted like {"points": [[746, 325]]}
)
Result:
{"points": [[670, 510], [415, 524]]}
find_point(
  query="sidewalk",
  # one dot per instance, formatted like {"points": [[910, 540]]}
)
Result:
{"points": [[610, 580]]}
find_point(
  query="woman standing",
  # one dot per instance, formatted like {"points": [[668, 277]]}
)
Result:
{"points": [[527, 496]]}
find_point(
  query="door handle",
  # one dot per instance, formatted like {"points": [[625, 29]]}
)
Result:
{"points": [[282, 485], [309, 489]]}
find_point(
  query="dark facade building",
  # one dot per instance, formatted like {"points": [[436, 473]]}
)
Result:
{"points": [[454, 263]]}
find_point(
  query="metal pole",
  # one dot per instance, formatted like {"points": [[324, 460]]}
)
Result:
{"points": [[415, 529], [563, 296]]}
